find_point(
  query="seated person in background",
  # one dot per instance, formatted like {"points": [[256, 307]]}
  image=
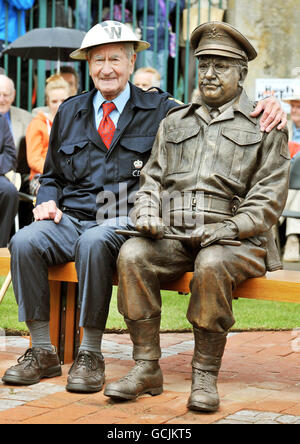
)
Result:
{"points": [[8, 193], [146, 78], [292, 230], [38, 132], [18, 119]]}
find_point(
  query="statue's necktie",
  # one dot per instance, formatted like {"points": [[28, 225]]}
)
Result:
{"points": [[214, 112], [107, 128]]}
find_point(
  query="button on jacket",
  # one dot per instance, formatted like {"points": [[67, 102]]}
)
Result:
{"points": [[79, 166], [225, 168]]}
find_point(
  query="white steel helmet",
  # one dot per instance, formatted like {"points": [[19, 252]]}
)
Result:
{"points": [[107, 32]]}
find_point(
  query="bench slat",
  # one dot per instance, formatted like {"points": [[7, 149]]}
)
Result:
{"points": [[281, 285]]}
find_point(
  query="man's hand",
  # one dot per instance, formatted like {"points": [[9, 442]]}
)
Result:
{"points": [[46, 211], [151, 225], [210, 233], [273, 114]]}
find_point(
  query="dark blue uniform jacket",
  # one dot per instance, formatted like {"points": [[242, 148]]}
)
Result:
{"points": [[80, 174]]}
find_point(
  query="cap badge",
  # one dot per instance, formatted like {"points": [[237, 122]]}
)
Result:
{"points": [[213, 33]]}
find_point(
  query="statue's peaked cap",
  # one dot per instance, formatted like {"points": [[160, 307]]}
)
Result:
{"points": [[219, 38]]}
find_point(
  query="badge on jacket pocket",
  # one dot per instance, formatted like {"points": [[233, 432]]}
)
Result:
{"points": [[137, 165]]}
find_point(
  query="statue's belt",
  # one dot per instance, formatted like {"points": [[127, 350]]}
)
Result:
{"points": [[202, 203]]}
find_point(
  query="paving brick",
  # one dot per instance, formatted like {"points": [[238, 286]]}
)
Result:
{"points": [[20, 414], [63, 415]]}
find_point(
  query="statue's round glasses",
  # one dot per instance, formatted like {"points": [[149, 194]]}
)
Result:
{"points": [[219, 68]]}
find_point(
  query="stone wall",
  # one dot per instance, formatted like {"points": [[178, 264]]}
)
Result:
{"points": [[272, 26]]}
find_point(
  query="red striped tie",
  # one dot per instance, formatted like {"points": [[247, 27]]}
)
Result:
{"points": [[107, 128]]}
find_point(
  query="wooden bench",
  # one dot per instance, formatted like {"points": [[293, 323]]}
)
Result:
{"points": [[282, 285]]}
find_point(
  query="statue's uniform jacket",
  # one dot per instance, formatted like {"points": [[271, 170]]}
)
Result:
{"points": [[241, 171]]}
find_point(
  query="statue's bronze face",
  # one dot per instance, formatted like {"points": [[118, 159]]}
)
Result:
{"points": [[220, 79]]}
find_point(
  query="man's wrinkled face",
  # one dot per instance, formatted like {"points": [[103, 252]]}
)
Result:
{"points": [[295, 112], [110, 68], [7, 94], [220, 79]]}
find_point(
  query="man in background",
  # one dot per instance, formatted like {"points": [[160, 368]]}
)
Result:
{"points": [[71, 76], [18, 119]]}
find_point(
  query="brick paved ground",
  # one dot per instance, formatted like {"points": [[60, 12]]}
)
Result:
{"points": [[259, 383]]}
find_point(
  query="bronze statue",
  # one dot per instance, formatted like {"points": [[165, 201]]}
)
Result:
{"points": [[225, 179]]}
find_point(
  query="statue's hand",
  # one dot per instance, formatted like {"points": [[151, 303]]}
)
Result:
{"points": [[210, 233], [151, 225]]}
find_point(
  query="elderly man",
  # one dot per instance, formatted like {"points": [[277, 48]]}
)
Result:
{"points": [[214, 174], [17, 118], [100, 140]]}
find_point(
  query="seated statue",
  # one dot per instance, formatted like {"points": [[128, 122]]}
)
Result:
{"points": [[212, 175]]}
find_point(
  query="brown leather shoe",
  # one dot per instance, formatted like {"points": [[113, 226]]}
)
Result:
{"points": [[35, 364], [204, 395], [144, 377], [86, 374]]}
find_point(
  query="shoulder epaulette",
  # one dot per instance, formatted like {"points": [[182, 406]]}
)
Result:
{"points": [[178, 108], [175, 100]]}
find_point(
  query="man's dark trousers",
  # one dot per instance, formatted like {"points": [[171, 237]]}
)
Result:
{"points": [[93, 247]]}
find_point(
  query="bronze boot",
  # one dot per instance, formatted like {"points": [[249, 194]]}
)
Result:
{"points": [[208, 353], [146, 375]]}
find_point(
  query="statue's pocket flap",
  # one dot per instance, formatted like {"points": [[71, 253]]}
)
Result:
{"points": [[242, 137], [181, 134]]}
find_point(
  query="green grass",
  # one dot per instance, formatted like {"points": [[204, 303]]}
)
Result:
{"points": [[249, 314]]}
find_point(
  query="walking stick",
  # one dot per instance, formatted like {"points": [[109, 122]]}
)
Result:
{"points": [[176, 237], [5, 286]]}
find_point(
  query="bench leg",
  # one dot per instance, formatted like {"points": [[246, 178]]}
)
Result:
{"points": [[70, 323], [55, 312], [62, 319]]}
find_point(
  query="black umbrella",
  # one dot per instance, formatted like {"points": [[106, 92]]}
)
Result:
{"points": [[46, 44]]}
